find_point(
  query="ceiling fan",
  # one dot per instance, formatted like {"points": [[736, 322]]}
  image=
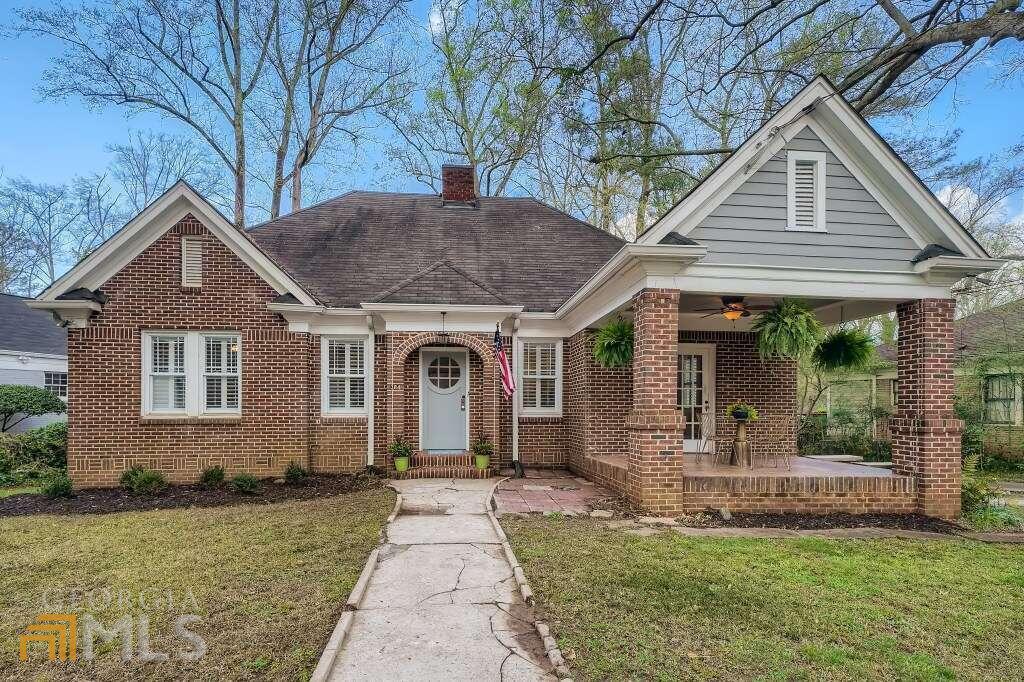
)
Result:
{"points": [[733, 308]]}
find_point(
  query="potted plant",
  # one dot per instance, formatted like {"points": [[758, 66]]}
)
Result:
{"points": [[742, 412], [613, 345], [482, 451], [400, 451], [789, 330]]}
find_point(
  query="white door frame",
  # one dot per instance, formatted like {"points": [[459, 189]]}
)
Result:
{"points": [[708, 350], [423, 376]]}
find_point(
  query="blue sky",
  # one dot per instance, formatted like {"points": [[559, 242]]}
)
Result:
{"points": [[54, 141]]}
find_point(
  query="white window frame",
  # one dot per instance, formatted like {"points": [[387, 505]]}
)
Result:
{"points": [[50, 388], [325, 402], [195, 369], [529, 411], [820, 183]]}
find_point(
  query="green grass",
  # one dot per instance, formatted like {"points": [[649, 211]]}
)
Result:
{"points": [[268, 581], [668, 608], [1003, 469], [18, 490]]}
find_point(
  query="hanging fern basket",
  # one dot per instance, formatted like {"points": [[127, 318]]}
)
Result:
{"points": [[789, 330], [613, 346], [844, 349]]}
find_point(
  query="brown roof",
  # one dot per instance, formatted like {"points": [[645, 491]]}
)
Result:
{"points": [[409, 248], [974, 333]]}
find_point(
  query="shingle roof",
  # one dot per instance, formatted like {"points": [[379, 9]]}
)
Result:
{"points": [[28, 330], [932, 251], [408, 248], [974, 333]]}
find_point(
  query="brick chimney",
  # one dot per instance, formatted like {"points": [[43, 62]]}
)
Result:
{"points": [[458, 183]]}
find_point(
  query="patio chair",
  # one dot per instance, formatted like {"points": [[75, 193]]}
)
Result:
{"points": [[768, 448], [719, 449]]}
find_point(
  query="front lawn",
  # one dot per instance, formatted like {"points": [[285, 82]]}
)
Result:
{"points": [[667, 607], [268, 582]]}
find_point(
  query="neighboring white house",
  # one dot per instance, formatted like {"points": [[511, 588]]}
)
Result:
{"points": [[33, 352]]}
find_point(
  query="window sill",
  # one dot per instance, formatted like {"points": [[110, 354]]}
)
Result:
{"points": [[186, 419], [539, 416], [343, 416]]}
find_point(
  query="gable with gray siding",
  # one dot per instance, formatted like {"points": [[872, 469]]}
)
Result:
{"points": [[749, 227]]}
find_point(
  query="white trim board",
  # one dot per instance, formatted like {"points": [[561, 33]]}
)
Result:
{"points": [[152, 223], [854, 142]]}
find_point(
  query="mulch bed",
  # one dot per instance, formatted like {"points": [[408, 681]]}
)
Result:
{"points": [[111, 500], [823, 521]]}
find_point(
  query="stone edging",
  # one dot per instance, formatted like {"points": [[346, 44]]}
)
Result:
{"points": [[551, 649], [323, 667]]}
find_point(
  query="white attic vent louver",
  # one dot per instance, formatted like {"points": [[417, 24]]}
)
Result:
{"points": [[806, 191], [191, 262]]}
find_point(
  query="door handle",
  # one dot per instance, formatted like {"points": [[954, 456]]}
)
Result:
{"points": [[462, 403]]}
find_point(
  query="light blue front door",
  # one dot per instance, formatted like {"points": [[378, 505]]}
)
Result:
{"points": [[444, 379]]}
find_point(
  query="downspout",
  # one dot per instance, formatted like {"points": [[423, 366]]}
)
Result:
{"points": [[371, 400], [515, 396]]}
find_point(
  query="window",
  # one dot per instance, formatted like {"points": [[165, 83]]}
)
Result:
{"points": [[805, 191], [220, 373], [999, 397], [191, 373], [344, 375], [540, 377], [56, 382], [191, 262]]}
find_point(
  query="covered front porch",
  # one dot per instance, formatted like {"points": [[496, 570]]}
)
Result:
{"points": [[689, 366]]}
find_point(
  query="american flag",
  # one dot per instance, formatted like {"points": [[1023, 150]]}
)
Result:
{"points": [[508, 382]]}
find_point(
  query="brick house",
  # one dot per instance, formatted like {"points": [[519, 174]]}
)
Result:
{"points": [[321, 336]]}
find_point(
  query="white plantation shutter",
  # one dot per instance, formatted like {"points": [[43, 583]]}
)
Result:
{"points": [[191, 262], [806, 191], [540, 375], [344, 375]]}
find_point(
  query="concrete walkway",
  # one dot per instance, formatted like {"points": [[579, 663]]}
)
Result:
{"points": [[443, 603]]}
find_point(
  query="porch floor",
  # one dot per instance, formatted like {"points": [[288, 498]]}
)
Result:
{"points": [[801, 466]]}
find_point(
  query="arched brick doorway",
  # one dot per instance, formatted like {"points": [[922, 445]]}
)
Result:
{"points": [[404, 383]]}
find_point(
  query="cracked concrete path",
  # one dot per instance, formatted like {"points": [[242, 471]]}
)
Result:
{"points": [[442, 603]]}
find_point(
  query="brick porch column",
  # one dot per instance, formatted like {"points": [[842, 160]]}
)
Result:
{"points": [[925, 430], [655, 465]]}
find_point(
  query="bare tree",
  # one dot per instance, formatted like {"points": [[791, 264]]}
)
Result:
{"points": [[335, 64], [42, 219], [149, 163], [198, 63], [484, 99]]}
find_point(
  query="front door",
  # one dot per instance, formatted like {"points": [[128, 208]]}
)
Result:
{"points": [[444, 400], [695, 390]]}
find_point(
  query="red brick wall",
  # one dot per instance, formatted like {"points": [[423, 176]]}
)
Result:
{"points": [[337, 443], [106, 432], [768, 385], [596, 402], [925, 430], [655, 465]]}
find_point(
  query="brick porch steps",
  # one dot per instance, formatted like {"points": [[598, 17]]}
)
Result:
{"points": [[460, 465]]}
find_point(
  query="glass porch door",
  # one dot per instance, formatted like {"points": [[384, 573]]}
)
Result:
{"points": [[695, 390]]}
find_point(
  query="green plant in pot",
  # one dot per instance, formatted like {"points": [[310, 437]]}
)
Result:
{"points": [[400, 451], [742, 412], [789, 330], [482, 451]]}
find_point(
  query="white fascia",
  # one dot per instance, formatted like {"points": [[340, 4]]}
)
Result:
{"points": [[148, 226], [73, 313], [618, 280], [425, 317], [950, 269], [318, 319]]}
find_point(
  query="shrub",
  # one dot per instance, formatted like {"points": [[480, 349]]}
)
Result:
{"points": [[19, 402], [295, 473], [27, 473], [976, 489], [57, 484], [992, 518], [212, 476], [143, 481], [613, 345], [47, 445], [247, 484], [149, 482], [128, 476]]}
